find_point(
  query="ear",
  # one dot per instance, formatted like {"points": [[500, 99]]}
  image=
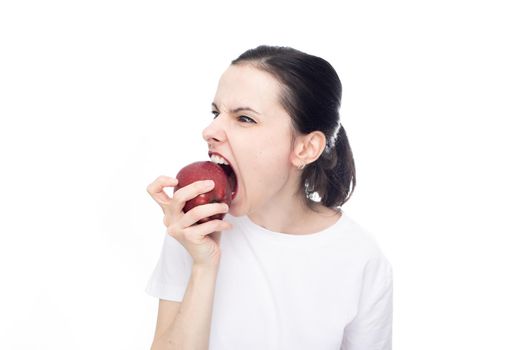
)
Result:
{"points": [[307, 148]]}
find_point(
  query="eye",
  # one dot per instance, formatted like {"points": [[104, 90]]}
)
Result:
{"points": [[246, 119], [215, 114]]}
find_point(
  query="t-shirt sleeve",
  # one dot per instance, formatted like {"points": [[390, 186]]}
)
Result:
{"points": [[371, 329], [172, 272]]}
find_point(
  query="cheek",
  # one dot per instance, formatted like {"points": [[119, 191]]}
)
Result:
{"points": [[271, 156], [264, 156]]}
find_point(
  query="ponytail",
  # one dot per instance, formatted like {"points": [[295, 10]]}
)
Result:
{"points": [[331, 178]]}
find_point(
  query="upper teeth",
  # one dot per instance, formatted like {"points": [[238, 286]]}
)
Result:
{"points": [[218, 159]]}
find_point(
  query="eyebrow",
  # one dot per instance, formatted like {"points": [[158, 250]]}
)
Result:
{"points": [[238, 109]]}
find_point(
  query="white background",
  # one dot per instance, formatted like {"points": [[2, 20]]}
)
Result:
{"points": [[98, 98]]}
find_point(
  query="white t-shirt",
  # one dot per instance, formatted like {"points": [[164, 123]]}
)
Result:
{"points": [[327, 290]]}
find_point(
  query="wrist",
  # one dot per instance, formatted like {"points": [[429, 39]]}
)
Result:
{"points": [[205, 268]]}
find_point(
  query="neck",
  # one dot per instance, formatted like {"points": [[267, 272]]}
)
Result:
{"points": [[290, 214]]}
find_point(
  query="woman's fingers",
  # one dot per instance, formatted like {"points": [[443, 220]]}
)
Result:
{"points": [[195, 234], [182, 195], [202, 211], [172, 207], [156, 189]]}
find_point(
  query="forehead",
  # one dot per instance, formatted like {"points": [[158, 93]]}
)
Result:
{"points": [[248, 86]]}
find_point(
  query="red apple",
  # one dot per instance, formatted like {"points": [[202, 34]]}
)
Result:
{"points": [[206, 170]]}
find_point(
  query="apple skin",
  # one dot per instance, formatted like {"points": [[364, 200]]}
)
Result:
{"points": [[206, 170]]}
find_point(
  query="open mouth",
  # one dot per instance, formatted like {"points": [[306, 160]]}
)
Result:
{"points": [[232, 179], [225, 165]]}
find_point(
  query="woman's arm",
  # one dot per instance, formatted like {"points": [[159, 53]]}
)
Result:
{"points": [[186, 325]]}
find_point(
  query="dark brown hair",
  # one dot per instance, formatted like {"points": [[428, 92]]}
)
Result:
{"points": [[312, 97]]}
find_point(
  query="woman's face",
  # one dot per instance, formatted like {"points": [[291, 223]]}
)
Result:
{"points": [[253, 132]]}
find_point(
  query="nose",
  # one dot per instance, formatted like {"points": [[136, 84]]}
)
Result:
{"points": [[214, 133]]}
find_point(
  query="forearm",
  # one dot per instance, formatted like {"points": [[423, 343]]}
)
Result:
{"points": [[190, 328]]}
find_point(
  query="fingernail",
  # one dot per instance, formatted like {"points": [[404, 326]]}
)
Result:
{"points": [[209, 183]]}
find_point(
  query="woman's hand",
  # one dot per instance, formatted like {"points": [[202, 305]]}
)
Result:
{"points": [[201, 240]]}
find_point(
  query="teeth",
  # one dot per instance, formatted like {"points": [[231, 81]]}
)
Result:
{"points": [[218, 159]]}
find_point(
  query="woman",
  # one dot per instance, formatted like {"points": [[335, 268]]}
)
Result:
{"points": [[285, 268]]}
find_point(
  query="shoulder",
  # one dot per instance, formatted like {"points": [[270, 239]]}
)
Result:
{"points": [[350, 231], [360, 243]]}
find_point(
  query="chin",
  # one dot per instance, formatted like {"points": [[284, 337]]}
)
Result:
{"points": [[237, 210]]}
